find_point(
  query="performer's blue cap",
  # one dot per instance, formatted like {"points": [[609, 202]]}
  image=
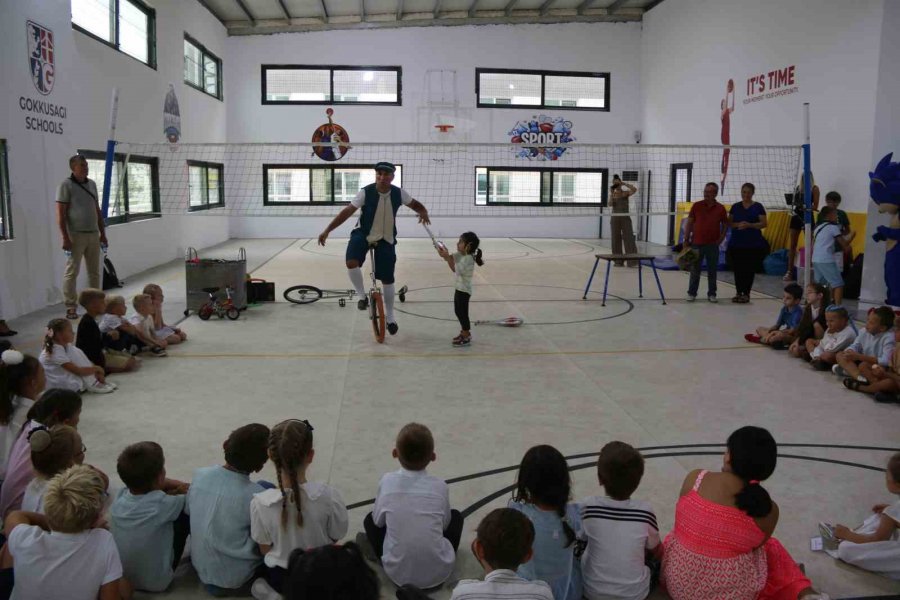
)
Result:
{"points": [[385, 166]]}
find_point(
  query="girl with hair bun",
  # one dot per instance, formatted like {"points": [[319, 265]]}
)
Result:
{"points": [[21, 382], [722, 544]]}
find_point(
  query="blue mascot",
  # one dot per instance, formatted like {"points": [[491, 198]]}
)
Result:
{"points": [[884, 189]]}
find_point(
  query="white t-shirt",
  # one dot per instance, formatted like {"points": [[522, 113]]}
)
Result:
{"points": [[145, 324], [893, 511], [57, 377], [108, 322], [324, 521], [501, 584], [617, 533], [823, 248], [10, 431], [415, 508], [33, 501], [62, 566], [834, 342]]}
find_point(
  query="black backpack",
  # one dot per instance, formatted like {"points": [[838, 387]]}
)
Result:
{"points": [[110, 279]]}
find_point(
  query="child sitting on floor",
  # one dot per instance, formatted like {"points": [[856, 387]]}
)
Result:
{"points": [[411, 527], [502, 544], [542, 494], [884, 382], [89, 338], [875, 545], [143, 322], [873, 346], [66, 366], [52, 452], [299, 514], [147, 519], [623, 548], [22, 381], [782, 334], [812, 324], [839, 334], [172, 335], [67, 555], [121, 335], [222, 551]]}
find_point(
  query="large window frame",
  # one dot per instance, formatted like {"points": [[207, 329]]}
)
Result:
{"points": [[6, 226], [308, 167], [127, 216], [543, 102], [207, 167], [205, 55], [331, 69], [547, 186], [114, 21]]}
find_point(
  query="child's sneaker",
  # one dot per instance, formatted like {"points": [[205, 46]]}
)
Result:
{"points": [[462, 341], [158, 351], [839, 371], [100, 388], [820, 365], [261, 590], [752, 337]]}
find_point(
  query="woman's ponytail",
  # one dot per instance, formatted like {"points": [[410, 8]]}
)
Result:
{"points": [[754, 500]]}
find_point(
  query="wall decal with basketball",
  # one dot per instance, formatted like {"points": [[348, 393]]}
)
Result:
{"points": [[335, 136]]}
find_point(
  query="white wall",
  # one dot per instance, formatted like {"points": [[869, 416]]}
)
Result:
{"points": [[614, 48], [86, 70], [886, 139], [691, 48]]}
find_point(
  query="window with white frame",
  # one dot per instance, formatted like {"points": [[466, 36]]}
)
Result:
{"points": [[305, 184], [509, 88], [6, 232], [318, 84], [207, 185], [202, 68], [126, 25], [132, 197], [522, 185]]}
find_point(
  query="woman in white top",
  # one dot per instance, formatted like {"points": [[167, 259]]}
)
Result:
{"points": [[300, 514], [22, 380], [66, 365]]}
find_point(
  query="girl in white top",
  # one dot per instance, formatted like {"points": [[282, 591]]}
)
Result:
{"points": [[875, 545], [52, 451], [300, 514], [21, 380], [462, 262], [65, 364]]}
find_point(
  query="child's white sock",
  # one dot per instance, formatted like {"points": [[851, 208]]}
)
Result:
{"points": [[356, 278], [389, 302]]}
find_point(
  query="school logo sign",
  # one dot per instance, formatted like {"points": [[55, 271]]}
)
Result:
{"points": [[41, 56]]}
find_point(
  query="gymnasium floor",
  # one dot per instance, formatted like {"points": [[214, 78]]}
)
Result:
{"points": [[673, 380]]}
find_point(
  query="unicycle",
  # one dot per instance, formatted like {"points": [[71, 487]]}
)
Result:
{"points": [[376, 302]]}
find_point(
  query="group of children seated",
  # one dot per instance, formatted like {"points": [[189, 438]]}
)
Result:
{"points": [[105, 342], [824, 335]]}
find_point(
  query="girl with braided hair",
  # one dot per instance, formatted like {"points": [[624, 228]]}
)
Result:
{"points": [[299, 514], [543, 487]]}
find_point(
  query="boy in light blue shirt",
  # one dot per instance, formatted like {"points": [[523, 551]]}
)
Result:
{"points": [[222, 552], [147, 519], [873, 346]]}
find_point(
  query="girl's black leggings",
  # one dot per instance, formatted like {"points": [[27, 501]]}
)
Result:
{"points": [[461, 306]]}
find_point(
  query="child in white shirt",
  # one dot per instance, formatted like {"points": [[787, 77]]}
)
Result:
{"points": [[172, 335], [873, 346], [22, 380], [67, 555], [411, 527], [52, 452], [875, 545], [121, 335], [502, 544], [66, 366], [838, 335], [143, 322], [300, 513]]}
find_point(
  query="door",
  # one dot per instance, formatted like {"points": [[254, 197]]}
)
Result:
{"points": [[679, 191]]}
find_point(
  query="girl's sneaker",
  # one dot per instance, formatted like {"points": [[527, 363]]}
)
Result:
{"points": [[462, 341], [752, 337], [158, 351], [100, 388]]}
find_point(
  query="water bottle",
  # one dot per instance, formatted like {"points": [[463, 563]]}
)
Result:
{"points": [[68, 253]]}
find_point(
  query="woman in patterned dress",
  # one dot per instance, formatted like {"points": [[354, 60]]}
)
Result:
{"points": [[721, 547]]}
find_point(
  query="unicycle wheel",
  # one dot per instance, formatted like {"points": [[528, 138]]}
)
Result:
{"points": [[376, 313], [302, 294]]}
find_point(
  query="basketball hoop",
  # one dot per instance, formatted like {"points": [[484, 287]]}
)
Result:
{"points": [[444, 128]]}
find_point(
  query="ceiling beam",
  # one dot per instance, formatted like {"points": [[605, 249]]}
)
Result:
{"points": [[473, 9], [545, 7], [615, 6], [509, 7], [437, 8], [651, 5], [399, 10], [584, 6], [324, 10], [362, 10], [284, 9], [206, 5], [246, 11]]}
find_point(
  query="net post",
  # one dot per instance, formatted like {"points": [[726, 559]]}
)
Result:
{"points": [[110, 152], [807, 199]]}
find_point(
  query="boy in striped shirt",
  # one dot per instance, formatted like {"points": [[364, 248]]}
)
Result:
{"points": [[621, 561]]}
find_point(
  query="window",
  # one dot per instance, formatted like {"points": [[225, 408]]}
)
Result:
{"points": [[305, 184], [127, 25], [133, 197], [296, 84], [6, 232], [202, 68], [207, 185], [508, 88], [522, 185]]}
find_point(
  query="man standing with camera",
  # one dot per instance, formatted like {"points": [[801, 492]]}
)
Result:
{"points": [[622, 231]]}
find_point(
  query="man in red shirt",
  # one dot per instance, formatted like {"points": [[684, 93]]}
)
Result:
{"points": [[704, 231]]}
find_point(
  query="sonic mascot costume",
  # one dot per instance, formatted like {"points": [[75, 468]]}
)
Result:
{"points": [[884, 189]]}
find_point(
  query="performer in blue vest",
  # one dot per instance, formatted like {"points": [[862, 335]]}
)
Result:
{"points": [[376, 226]]}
